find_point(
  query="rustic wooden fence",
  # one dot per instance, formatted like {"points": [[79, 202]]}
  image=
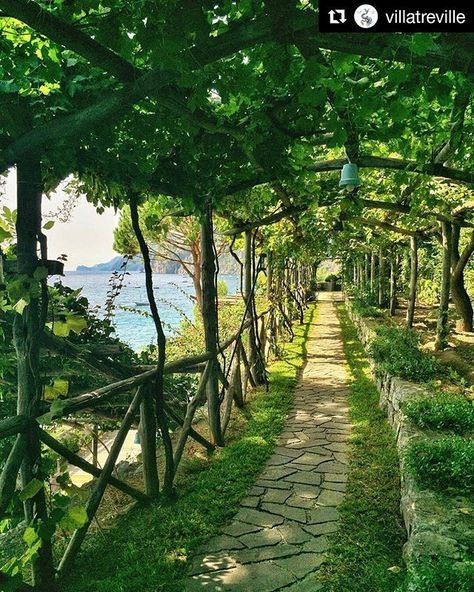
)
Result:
{"points": [[140, 387]]}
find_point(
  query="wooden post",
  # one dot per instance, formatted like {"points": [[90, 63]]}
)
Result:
{"points": [[393, 283], [27, 330], [100, 486], [263, 338], [442, 327], [366, 270], [234, 392], [10, 472], [148, 443], [381, 298], [192, 433], [95, 445], [372, 272], [460, 296], [158, 385], [190, 412], [254, 357], [413, 281], [272, 323], [210, 322], [236, 381]]}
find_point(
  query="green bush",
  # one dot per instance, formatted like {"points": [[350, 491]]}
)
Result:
{"points": [[440, 576], [428, 291], [364, 310], [395, 349], [364, 303], [442, 411], [447, 462], [222, 288]]}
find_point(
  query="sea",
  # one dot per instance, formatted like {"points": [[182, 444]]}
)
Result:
{"points": [[132, 325]]}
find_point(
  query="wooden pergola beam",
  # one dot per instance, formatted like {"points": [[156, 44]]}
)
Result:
{"points": [[410, 166], [300, 30], [452, 52], [70, 37]]}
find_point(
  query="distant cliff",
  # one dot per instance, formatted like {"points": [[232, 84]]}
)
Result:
{"points": [[227, 265], [114, 264]]}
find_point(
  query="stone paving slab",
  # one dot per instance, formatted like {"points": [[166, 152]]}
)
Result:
{"points": [[278, 538]]}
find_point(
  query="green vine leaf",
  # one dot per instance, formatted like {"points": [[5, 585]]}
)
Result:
{"points": [[75, 517], [30, 489], [20, 306]]}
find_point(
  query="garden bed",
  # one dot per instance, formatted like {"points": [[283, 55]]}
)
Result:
{"points": [[440, 525]]}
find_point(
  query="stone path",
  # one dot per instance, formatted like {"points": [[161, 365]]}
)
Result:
{"points": [[278, 537]]}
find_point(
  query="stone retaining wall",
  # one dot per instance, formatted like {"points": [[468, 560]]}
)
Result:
{"points": [[435, 528]]}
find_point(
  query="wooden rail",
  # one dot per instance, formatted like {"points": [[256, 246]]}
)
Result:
{"points": [[142, 383]]}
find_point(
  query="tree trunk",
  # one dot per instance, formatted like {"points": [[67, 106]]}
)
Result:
{"points": [[393, 284], [147, 433], [372, 272], [159, 391], [460, 296], [381, 298], [197, 280], [210, 320], [27, 330], [442, 329], [366, 270], [249, 293], [413, 281], [272, 327], [95, 445]]}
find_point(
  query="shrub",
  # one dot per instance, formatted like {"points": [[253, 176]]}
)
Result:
{"points": [[364, 303], [441, 576], [332, 277], [447, 462], [442, 411], [395, 349], [428, 291], [222, 288], [364, 310]]}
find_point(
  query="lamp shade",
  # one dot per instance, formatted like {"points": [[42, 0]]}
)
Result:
{"points": [[349, 176]]}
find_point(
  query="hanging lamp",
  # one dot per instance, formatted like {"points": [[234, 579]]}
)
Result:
{"points": [[349, 177]]}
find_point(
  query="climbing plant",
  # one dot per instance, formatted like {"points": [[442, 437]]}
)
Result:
{"points": [[235, 118]]}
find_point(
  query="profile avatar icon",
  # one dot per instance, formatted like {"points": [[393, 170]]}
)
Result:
{"points": [[366, 16]]}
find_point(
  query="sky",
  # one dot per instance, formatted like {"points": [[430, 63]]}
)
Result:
{"points": [[86, 239]]}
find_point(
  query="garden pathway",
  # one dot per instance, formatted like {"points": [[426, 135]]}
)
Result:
{"points": [[278, 537]]}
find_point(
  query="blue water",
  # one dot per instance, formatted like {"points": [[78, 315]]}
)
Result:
{"points": [[172, 292]]}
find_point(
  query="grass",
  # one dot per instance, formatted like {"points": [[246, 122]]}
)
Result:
{"points": [[147, 549], [365, 553]]}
